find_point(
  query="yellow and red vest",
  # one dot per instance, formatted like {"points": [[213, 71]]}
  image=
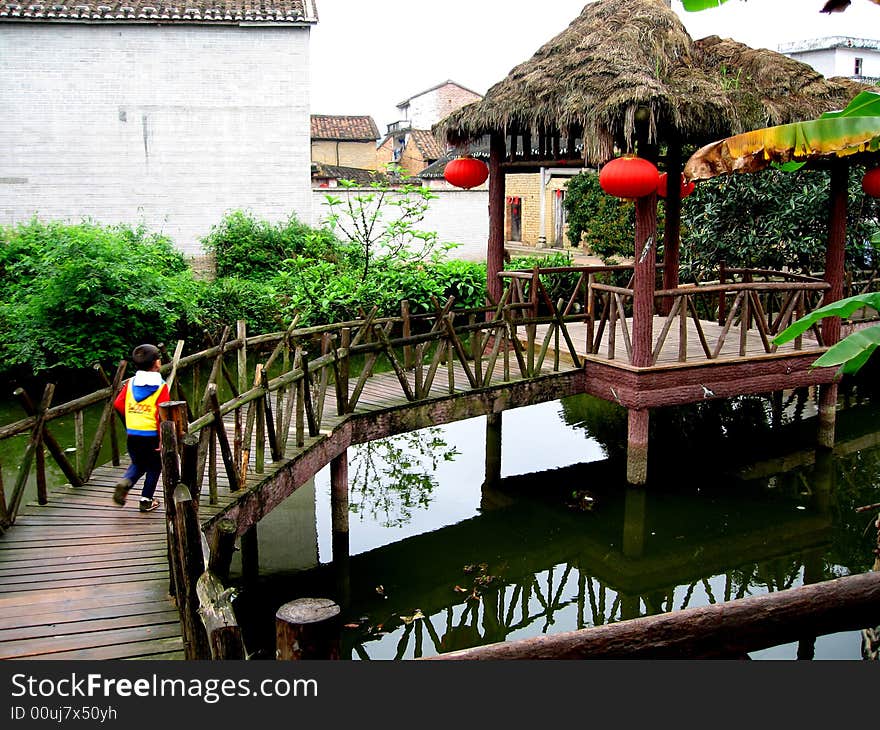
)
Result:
{"points": [[140, 416]]}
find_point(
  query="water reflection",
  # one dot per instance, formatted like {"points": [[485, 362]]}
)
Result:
{"points": [[483, 560]]}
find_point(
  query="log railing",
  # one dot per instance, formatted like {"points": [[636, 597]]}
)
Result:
{"points": [[741, 301]]}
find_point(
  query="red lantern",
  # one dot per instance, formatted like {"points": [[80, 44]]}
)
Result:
{"points": [[686, 187], [466, 172], [871, 183], [629, 177]]}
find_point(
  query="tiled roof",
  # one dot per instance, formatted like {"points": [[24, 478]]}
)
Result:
{"points": [[160, 11], [357, 129], [359, 175], [426, 143]]}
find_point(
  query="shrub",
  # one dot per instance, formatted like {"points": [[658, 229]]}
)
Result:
{"points": [[249, 248], [83, 293], [225, 301]]}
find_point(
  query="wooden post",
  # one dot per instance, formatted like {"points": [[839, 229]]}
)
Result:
{"points": [[643, 285], [170, 479], [495, 252], [4, 512], [493, 450], [238, 436], [835, 252], [188, 544], [307, 628], [672, 228], [218, 618], [407, 333], [225, 451], [30, 451], [222, 548], [637, 446], [175, 411], [189, 458], [344, 371], [722, 296]]}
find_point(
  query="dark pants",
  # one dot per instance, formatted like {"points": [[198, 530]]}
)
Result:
{"points": [[145, 459]]}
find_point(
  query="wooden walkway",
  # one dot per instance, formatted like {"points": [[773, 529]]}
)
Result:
{"points": [[81, 578]]}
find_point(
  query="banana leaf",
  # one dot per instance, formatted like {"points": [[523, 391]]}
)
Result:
{"points": [[851, 352], [836, 134], [841, 308]]}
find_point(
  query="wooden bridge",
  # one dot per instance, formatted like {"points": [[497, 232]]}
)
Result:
{"points": [[80, 578]]}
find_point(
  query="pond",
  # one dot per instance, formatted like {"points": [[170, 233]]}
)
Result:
{"points": [[440, 560]]}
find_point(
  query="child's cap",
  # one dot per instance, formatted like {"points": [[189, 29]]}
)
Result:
{"points": [[145, 355]]}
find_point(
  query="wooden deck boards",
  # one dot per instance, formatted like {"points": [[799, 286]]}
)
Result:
{"points": [[83, 579]]}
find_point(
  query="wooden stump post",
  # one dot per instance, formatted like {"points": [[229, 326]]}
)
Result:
{"points": [[218, 618], [222, 548], [175, 411], [307, 628], [188, 544]]}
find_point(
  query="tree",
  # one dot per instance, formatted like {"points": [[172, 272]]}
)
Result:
{"points": [[361, 216]]}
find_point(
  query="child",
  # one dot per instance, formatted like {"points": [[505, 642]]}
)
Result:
{"points": [[138, 402]]}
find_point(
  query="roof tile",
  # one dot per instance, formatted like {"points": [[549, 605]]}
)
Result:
{"points": [[350, 128]]}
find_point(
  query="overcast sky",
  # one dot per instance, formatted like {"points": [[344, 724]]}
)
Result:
{"points": [[368, 55]]}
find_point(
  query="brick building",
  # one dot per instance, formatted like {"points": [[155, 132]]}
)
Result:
{"points": [[167, 114]]}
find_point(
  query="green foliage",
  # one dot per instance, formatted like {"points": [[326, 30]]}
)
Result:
{"points": [[250, 248], [771, 219], [77, 294], [853, 351], [322, 292], [225, 301], [603, 224]]}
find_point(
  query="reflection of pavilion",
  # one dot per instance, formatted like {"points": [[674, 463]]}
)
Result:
{"points": [[632, 557]]}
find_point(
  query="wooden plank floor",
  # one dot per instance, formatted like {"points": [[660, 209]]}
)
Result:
{"points": [[669, 352], [81, 578]]}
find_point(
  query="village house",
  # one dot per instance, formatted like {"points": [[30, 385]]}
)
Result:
{"points": [[855, 58], [344, 141], [157, 112]]}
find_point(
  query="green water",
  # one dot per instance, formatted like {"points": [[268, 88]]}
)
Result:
{"points": [[737, 505]]}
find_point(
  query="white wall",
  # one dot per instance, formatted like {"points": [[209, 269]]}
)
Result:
{"points": [[172, 126], [458, 216], [841, 61]]}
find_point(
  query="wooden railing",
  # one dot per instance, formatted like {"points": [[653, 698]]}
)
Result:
{"points": [[303, 377], [741, 300]]}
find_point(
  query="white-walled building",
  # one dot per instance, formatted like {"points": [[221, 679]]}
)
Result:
{"points": [[152, 111], [857, 58]]}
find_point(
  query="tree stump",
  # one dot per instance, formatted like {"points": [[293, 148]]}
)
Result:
{"points": [[307, 628]]}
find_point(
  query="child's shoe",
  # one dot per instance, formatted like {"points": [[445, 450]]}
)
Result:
{"points": [[121, 491], [148, 505]]}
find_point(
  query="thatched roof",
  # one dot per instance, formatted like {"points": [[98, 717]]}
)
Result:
{"points": [[620, 62], [767, 88]]}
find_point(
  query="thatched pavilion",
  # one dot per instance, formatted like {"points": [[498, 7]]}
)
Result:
{"points": [[627, 77]]}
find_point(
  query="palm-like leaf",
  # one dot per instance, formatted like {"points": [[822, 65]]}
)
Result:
{"points": [[853, 351], [835, 134], [693, 6]]}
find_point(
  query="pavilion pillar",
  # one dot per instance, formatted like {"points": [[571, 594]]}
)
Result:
{"points": [[495, 252], [834, 272], [637, 446], [643, 281], [672, 226], [493, 450]]}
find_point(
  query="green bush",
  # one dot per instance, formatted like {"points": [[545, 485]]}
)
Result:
{"points": [[225, 301], [77, 294], [249, 248], [602, 224]]}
